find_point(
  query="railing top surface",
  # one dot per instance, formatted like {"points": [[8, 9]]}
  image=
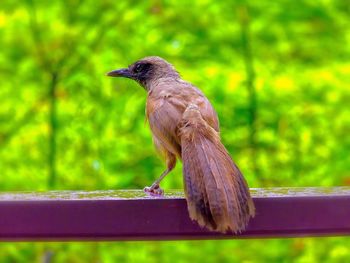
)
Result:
{"points": [[276, 192]]}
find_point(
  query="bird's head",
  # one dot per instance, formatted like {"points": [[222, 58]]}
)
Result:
{"points": [[146, 71]]}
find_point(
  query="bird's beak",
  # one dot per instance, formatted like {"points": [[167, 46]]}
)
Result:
{"points": [[124, 72]]}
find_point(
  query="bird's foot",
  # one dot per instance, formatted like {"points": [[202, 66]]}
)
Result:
{"points": [[154, 190]]}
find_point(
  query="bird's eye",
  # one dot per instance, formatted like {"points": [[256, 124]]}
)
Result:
{"points": [[142, 67], [138, 68]]}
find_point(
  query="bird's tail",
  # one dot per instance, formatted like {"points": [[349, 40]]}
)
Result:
{"points": [[217, 195]]}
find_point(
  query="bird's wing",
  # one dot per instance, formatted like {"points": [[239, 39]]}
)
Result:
{"points": [[163, 117], [165, 107], [208, 113], [192, 95]]}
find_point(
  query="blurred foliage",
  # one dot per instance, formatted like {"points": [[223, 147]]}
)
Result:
{"points": [[278, 74]]}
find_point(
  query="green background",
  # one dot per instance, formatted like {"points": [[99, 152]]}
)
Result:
{"points": [[277, 72]]}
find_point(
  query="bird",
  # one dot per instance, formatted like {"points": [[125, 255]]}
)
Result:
{"points": [[185, 127]]}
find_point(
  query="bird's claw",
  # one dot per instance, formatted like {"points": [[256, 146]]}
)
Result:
{"points": [[153, 190]]}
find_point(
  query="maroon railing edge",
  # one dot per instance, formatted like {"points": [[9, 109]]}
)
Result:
{"points": [[133, 215]]}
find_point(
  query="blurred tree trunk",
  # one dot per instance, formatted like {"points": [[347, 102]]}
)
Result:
{"points": [[244, 20]]}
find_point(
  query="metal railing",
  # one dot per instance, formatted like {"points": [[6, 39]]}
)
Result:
{"points": [[133, 215]]}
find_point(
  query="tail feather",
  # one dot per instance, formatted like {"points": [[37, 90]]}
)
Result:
{"points": [[217, 195]]}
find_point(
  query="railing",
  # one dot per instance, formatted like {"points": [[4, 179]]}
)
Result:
{"points": [[132, 215]]}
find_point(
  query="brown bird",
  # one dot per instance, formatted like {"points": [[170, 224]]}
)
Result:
{"points": [[185, 126]]}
